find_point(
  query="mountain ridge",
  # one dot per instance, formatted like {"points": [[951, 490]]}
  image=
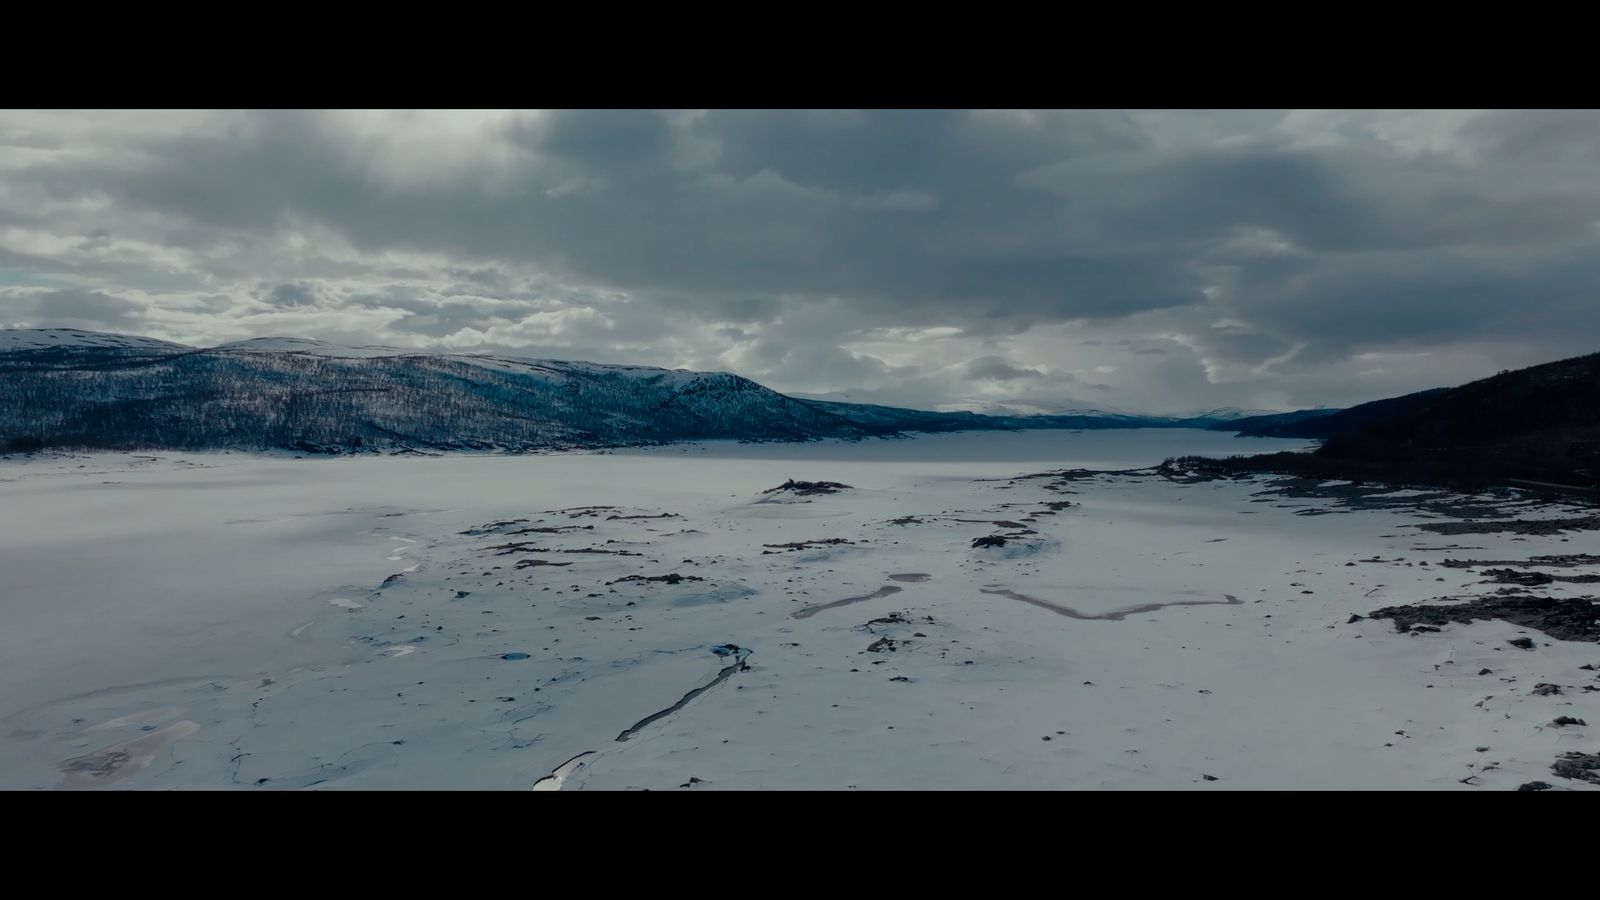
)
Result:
{"points": [[79, 389]]}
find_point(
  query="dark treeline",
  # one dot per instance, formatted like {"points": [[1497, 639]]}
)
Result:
{"points": [[1540, 424]]}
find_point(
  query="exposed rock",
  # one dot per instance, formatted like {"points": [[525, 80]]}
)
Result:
{"points": [[808, 488], [1525, 579], [1563, 618], [1578, 766], [806, 545], [670, 578]]}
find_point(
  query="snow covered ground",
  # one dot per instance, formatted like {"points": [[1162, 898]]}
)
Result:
{"points": [[652, 619]]}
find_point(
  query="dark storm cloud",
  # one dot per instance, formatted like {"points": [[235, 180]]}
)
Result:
{"points": [[896, 209], [1271, 253], [994, 368], [296, 294], [602, 139]]}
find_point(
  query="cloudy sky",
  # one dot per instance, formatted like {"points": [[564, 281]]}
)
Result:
{"points": [[1159, 261]]}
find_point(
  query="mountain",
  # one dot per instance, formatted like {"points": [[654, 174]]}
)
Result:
{"points": [[1539, 424], [1011, 414], [19, 340], [894, 418], [70, 388], [1234, 414], [80, 389], [1024, 408]]}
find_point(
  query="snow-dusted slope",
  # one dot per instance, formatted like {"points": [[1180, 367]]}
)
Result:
{"points": [[313, 347], [80, 389], [511, 364], [15, 340], [112, 392], [1078, 411], [1230, 413], [1020, 408]]}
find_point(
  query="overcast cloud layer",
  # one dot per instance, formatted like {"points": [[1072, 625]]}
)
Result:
{"points": [[1160, 261]]}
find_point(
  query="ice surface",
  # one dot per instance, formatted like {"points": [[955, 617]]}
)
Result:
{"points": [[225, 620]]}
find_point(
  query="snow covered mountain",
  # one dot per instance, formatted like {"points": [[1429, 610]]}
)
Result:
{"points": [[17, 340], [1078, 410], [80, 389], [1021, 408], [70, 388], [1231, 413]]}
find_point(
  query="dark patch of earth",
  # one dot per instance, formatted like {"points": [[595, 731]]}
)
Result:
{"points": [[1379, 496], [1567, 619], [808, 488], [1515, 526], [805, 545], [1560, 560], [670, 578], [1578, 766], [530, 563]]}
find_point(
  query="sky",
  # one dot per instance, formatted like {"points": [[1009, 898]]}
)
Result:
{"points": [[1158, 261]]}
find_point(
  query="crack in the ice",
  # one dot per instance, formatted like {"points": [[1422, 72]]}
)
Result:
{"points": [[559, 775], [1113, 616], [739, 654], [810, 611]]}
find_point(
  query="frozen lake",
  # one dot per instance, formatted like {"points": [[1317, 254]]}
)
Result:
{"points": [[224, 620]]}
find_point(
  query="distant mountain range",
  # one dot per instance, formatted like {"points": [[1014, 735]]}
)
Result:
{"points": [[1075, 408], [1027, 408], [80, 389]]}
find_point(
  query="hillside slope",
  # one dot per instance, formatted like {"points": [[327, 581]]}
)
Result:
{"points": [[1309, 424], [1272, 424], [79, 389], [131, 394], [1539, 424]]}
